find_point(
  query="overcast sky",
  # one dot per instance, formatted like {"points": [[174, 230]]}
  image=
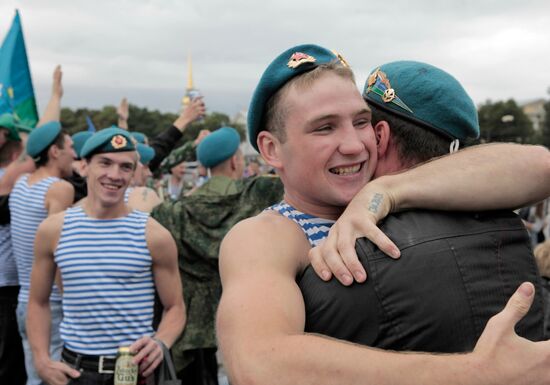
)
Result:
{"points": [[138, 48]]}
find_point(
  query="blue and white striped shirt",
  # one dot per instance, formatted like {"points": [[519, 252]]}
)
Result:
{"points": [[8, 269], [316, 229], [28, 210], [108, 288]]}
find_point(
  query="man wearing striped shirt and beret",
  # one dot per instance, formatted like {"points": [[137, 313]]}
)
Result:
{"points": [[111, 260]]}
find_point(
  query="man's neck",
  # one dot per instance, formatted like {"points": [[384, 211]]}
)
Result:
{"points": [[46, 171], [312, 208], [95, 209], [175, 180]]}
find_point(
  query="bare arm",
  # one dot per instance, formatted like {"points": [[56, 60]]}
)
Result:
{"points": [[59, 197], [168, 284], [192, 112], [123, 112], [39, 315], [261, 321], [53, 109], [485, 177]]}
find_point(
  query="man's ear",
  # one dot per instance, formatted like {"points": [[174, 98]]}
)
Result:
{"points": [[53, 152], [270, 149], [382, 135]]}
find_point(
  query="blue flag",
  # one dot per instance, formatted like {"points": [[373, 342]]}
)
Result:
{"points": [[91, 127], [16, 91]]}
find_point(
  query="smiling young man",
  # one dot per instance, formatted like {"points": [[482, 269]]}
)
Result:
{"points": [[310, 123], [111, 260]]}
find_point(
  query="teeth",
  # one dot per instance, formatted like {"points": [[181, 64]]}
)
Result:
{"points": [[110, 186], [345, 170]]}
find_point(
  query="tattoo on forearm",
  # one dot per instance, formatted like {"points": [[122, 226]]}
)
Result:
{"points": [[375, 202], [23, 158], [144, 194]]}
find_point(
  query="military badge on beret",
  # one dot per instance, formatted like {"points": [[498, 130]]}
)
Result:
{"points": [[118, 142], [299, 58], [379, 83], [343, 61]]}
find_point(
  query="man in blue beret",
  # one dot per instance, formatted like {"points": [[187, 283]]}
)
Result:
{"points": [[34, 197], [311, 124], [418, 113], [111, 259], [12, 359]]}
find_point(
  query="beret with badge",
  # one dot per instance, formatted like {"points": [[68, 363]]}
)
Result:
{"points": [[139, 137], [425, 95], [9, 122], [42, 137], [291, 63], [112, 139], [218, 146]]}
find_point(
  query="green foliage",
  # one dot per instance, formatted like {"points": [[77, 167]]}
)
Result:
{"points": [[151, 123], [504, 122]]}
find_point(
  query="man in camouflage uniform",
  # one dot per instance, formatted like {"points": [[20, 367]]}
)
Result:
{"points": [[198, 223]]}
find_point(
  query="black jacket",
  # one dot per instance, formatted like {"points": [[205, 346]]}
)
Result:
{"points": [[456, 271]]}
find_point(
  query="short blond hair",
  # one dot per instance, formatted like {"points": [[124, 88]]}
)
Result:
{"points": [[542, 256], [276, 108]]}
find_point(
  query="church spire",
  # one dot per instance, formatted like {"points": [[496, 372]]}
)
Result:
{"points": [[189, 73]]}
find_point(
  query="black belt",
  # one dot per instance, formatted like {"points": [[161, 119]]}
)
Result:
{"points": [[98, 364]]}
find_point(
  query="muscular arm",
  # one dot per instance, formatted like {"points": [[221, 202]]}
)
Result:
{"points": [[168, 284], [53, 109], [485, 177], [261, 319], [60, 195], [39, 315]]}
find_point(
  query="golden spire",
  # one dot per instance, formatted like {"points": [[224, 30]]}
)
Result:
{"points": [[189, 73]]}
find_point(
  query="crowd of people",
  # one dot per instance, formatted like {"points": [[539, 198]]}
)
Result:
{"points": [[111, 239]]}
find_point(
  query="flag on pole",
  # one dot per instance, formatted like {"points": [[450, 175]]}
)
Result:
{"points": [[16, 91], [91, 127]]}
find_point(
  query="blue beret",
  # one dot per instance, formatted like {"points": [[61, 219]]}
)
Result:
{"points": [[425, 95], [146, 153], [218, 146], [139, 137], [42, 137], [9, 122], [79, 139], [112, 139], [291, 63]]}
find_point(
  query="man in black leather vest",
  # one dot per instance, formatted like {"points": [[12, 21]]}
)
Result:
{"points": [[456, 269]]}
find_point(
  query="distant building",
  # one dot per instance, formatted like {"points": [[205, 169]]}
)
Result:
{"points": [[535, 112]]}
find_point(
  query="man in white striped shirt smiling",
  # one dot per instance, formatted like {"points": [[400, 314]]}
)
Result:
{"points": [[111, 259]]}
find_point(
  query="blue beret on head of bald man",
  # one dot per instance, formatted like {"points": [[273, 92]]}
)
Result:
{"points": [[218, 146], [291, 63], [425, 95]]}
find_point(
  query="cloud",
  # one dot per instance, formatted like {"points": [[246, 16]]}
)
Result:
{"points": [[139, 48]]}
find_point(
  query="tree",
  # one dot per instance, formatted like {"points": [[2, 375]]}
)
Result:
{"points": [[151, 123], [504, 122]]}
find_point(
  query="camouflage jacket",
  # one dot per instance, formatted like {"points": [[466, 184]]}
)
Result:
{"points": [[198, 223]]}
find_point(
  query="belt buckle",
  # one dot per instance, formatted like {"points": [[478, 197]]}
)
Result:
{"points": [[100, 367]]}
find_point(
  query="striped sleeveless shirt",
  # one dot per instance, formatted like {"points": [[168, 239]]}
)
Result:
{"points": [[27, 209], [8, 269], [316, 229], [108, 288]]}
